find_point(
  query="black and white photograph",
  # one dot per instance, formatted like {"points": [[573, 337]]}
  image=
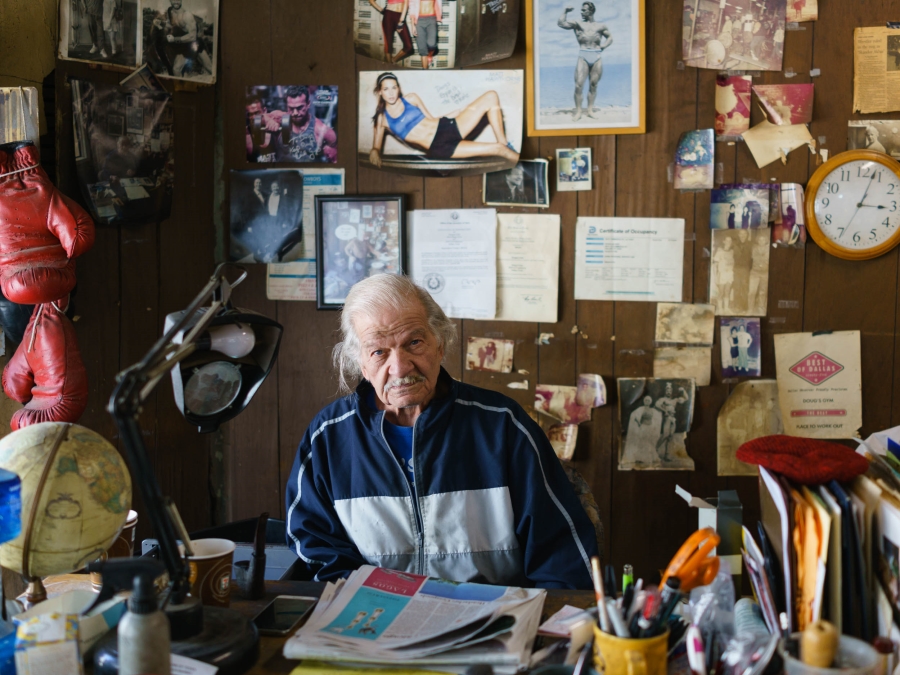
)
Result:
{"points": [[654, 417], [739, 278], [266, 215], [523, 185], [103, 31], [738, 35], [356, 237], [296, 123], [125, 169], [879, 135], [573, 169], [179, 37]]}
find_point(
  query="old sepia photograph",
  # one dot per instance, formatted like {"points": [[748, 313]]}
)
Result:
{"points": [[266, 215], [879, 135], [490, 354], [741, 347], [296, 124], [737, 35], [750, 412], [179, 38], [654, 418], [523, 185], [103, 31], [739, 276], [685, 323]]}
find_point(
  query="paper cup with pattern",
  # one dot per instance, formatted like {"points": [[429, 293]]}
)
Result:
{"points": [[210, 568]]}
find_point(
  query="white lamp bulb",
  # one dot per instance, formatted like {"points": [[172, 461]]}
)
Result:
{"points": [[235, 340]]}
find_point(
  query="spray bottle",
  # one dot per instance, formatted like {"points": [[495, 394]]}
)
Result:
{"points": [[144, 647]]}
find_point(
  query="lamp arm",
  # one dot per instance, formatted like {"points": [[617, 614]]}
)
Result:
{"points": [[134, 386]]}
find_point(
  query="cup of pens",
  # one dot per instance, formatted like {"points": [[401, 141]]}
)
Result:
{"points": [[630, 656]]}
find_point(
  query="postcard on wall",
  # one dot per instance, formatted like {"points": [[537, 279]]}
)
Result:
{"points": [[528, 267], [441, 123], [490, 354], [573, 169], [685, 323], [790, 229], [695, 160], [296, 280], [876, 70], [296, 124], [739, 274], [750, 412], [879, 135], [179, 40], [732, 106], [585, 67], [739, 206], [688, 363], [732, 36], [103, 32], [802, 10], [523, 185], [786, 103], [819, 384], [559, 402], [654, 418], [740, 347], [629, 259], [453, 254]]}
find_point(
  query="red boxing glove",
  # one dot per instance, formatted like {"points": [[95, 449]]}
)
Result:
{"points": [[46, 373], [41, 230]]}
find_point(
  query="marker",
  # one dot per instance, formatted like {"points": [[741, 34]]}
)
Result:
{"points": [[627, 575], [598, 593], [695, 654], [615, 619]]}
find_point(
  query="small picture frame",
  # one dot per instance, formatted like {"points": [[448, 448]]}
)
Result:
{"points": [[573, 169], [524, 185], [134, 120], [357, 236], [115, 125]]}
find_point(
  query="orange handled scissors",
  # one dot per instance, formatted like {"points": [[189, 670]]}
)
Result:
{"points": [[692, 563]]}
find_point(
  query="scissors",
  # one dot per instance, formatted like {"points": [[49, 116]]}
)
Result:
{"points": [[692, 563]]}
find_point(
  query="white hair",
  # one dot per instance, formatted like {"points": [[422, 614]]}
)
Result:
{"points": [[371, 297]]}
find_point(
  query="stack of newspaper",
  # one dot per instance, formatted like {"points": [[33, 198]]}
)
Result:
{"points": [[382, 616]]}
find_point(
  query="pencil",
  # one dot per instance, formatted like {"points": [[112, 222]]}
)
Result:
{"points": [[598, 592]]}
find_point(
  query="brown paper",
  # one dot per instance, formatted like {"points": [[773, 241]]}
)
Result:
{"points": [[876, 70]]}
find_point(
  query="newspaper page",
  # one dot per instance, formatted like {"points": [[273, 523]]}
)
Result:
{"points": [[876, 70], [297, 280], [382, 615]]}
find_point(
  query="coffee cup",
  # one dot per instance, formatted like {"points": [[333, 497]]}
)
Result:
{"points": [[630, 656], [210, 571]]}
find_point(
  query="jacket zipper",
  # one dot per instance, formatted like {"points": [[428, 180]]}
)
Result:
{"points": [[413, 495]]}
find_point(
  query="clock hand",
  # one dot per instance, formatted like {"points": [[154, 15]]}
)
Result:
{"points": [[860, 204], [870, 206]]}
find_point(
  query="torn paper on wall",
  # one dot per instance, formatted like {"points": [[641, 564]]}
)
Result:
{"points": [[732, 106], [559, 403], [693, 363], [591, 390], [750, 412], [876, 70], [563, 438], [654, 418], [685, 323], [785, 104], [769, 142]]}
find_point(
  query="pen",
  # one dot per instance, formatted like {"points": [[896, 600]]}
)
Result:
{"points": [[615, 619], [627, 575], [598, 593], [651, 611], [610, 587], [627, 597]]}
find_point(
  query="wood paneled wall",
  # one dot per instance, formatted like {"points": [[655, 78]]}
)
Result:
{"points": [[134, 276]]}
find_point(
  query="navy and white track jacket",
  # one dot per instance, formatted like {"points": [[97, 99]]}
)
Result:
{"points": [[491, 502]]}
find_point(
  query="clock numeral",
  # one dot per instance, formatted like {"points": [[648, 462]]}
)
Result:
{"points": [[856, 237], [887, 222], [862, 174], [842, 232], [827, 219], [873, 234], [891, 188], [826, 202], [845, 175], [878, 175], [893, 206], [832, 188]]}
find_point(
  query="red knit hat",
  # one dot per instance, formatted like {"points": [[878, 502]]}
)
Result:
{"points": [[807, 461]]}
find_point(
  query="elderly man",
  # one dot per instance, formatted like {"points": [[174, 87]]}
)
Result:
{"points": [[418, 472]]}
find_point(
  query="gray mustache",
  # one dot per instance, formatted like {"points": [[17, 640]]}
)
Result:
{"points": [[400, 381]]}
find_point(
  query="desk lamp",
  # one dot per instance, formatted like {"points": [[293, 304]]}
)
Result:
{"points": [[218, 356]]}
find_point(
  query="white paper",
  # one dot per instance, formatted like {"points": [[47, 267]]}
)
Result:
{"points": [[182, 665], [453, 255], [629, 259], [527, 267], [296, 280]]}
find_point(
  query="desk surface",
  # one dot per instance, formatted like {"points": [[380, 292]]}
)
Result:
{"points": [[271, 660]]}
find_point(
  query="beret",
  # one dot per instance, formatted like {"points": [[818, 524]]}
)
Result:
{"points": [[807, 461]]}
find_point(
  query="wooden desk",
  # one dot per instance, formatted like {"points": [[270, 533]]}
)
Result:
{"points": [[271, 660]]}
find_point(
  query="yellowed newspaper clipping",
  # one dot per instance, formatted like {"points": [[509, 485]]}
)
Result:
{"points": [[876, 74]]}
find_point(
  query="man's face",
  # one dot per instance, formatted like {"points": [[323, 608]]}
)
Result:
{"points": [[298, 108], [586, 12], [871, 135], [516, 177], [255, 108], [742, 235], [400, 355], [274, 187], [668, 390], [176, 4], [647, 400]]}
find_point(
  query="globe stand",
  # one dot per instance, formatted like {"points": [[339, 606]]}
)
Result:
{"points": [[35, 592]]}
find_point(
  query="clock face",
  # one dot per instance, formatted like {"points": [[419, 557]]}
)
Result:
{"points": [[857, 205]]}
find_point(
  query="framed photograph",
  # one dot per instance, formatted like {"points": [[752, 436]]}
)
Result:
{"points": [[523, 185], [115, 125], [356, 237], [585, 67], [573, 169], [134, 120]]}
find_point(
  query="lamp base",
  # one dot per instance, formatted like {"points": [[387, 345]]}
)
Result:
{"points": [[228, 641]]}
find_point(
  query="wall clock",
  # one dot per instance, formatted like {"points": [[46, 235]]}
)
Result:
{"points": [[853, 205]]}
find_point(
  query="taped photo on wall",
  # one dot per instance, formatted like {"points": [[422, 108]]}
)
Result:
{"points": [[654, 418], [296, 124], [266, 216], [740, 347], [523, 185], [573, 169], [738, 35], [103, 31], [179, 38]]}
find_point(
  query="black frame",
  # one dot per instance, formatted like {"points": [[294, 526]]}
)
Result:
{"points": [[322, 266]]}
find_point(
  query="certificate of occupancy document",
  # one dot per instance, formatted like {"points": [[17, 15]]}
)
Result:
{"points": [[819, 384], [629, 259]]}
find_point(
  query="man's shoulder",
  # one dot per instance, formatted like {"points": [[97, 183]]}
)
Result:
{"points": [[487, 400], [336, 411]]}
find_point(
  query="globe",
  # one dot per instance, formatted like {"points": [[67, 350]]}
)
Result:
{"points": [[82, 489]]}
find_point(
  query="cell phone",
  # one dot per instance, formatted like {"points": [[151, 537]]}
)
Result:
{"points": [[283, 614]]}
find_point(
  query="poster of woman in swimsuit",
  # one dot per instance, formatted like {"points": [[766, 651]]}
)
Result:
{"points": [[450, 123], [585, 67]]}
